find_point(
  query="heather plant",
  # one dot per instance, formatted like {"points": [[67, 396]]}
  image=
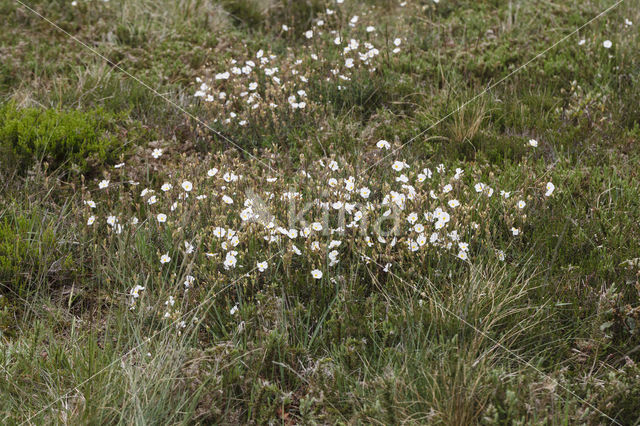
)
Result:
{"points": [[75, 140]]}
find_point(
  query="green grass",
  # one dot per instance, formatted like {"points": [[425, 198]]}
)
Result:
{"points": [[547, 336]]}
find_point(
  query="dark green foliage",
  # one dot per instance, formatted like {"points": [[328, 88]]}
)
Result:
{"points": [[75, 140]]}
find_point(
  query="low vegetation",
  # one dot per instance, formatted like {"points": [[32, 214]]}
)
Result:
{"points": [[319, 212]]}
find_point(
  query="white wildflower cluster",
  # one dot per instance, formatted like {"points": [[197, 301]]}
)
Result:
{"points": [[334, 214], [404, 209], [262, 82]]}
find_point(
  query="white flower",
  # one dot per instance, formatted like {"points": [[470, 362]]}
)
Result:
{"points": [[397, 166], [383, 144], [162, 218], [246, 214], [230, 177], [515, 231], [334, 244], [227, 200], [212, 172], [230, 261], [103, 184], [533, 143], [135, 291], [521, 204], [166, 187], [441, 215], [500, 255], [412, 218], [550, 188], [262, 266], [365, 192], [463, 255], [447, 188], [157, 153], [188, 281], [316, 226], [91, 220], [234, 310], [187, 186], [308, 34], [453, 203], [317, 274], [165, 258], [111, 220], [607, 44], [91, 204], [188, 247]]}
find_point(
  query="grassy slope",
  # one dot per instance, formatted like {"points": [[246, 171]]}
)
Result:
{"points": [[374, 347]]}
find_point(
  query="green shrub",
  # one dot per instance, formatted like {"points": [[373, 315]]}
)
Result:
{"points": [[75, 140]]}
